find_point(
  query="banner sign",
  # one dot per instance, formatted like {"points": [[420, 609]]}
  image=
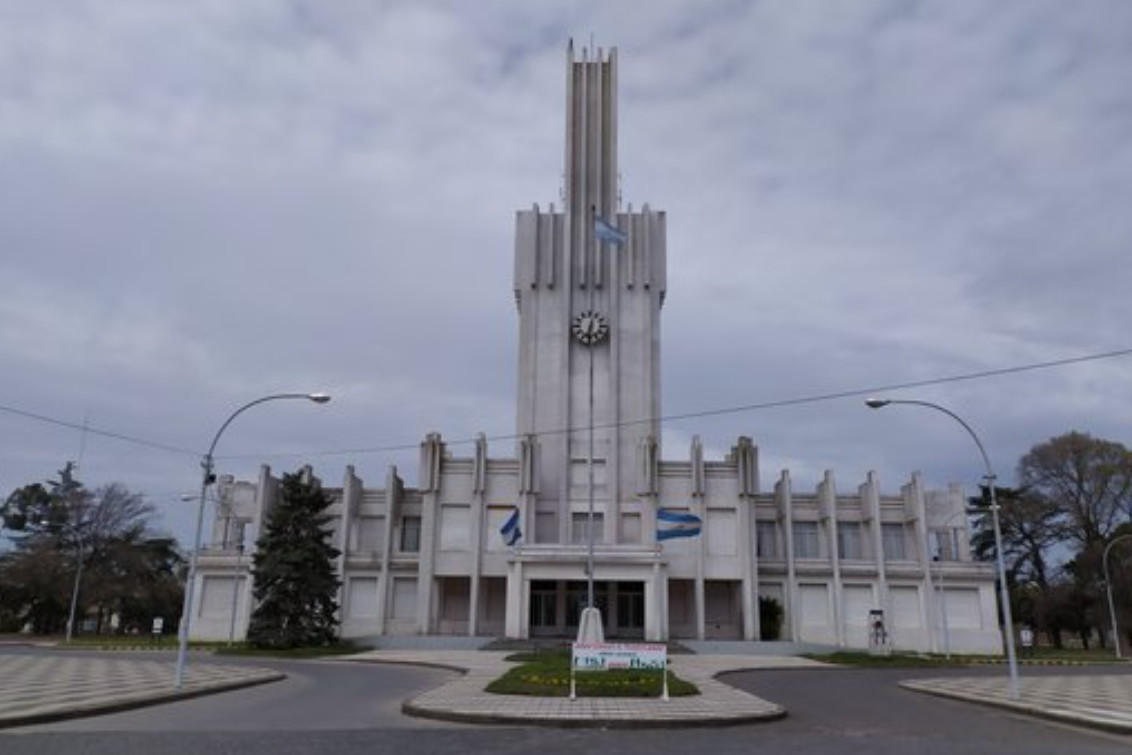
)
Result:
{"points": [[600, 656]]}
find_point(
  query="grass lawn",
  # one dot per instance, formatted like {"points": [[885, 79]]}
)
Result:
{"points": [[547, 674], [344, 648], [130, 642], [895, 660], [917, 660], [169, 642], [1076, 655]]}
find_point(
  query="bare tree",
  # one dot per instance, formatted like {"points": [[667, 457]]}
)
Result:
{"points": [[1088, 480], [130, 572]]}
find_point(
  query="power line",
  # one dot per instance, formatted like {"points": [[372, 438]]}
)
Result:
{"points": [[86, 428], [904, 386], [821, 397]]}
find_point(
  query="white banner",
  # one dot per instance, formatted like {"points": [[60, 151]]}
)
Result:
{"points": [[600, 656]]}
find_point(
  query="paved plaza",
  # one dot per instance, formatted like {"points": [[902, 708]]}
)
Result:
{"points": [[1103, 702], [38, 688]]}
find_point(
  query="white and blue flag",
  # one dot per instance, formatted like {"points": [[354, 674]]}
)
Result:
{"points": [[510, 529], [606, 231], [672, 524]]}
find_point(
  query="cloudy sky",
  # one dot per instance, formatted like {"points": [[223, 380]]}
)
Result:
{"points": [[206, 202]]}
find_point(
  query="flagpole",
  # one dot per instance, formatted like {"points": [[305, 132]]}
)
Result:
{"points": [[590, 473], [590, 455], [600, 230]]}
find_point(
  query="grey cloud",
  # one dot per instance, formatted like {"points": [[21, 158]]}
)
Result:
{"points": [[205, 202]]}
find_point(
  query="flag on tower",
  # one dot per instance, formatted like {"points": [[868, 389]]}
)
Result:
{"points": [[510, 529], [671, 524], [606, 231]]}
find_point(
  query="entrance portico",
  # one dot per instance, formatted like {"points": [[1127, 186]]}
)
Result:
{"points": [[546, 583]]}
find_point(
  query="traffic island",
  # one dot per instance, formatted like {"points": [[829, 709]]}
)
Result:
{"points": [[465, 698]]}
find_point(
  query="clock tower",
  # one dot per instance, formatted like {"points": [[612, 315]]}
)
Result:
{"points": [[589, 326]]}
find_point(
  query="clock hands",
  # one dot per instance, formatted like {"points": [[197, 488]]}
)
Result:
{"points": [[590, 327]]}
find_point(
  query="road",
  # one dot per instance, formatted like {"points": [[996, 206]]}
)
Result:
{"points": [[340, 708]]}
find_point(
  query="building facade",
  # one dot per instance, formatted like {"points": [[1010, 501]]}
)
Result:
{"points": [[587, 479]]}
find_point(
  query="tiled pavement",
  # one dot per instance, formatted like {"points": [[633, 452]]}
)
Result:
{"points": [[37, 688], [1103, 702]]}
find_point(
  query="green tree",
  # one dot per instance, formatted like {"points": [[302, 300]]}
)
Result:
{"points": [[295, 581], [26, 508], [770, 618], [35, 581], [1067, 607], [1087, 482], [133, 576], [1032, 528], [127, 567]]}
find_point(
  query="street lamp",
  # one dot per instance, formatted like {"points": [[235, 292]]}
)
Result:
{"points": [[78, 575], [238, 570], [1108, 588], [942, 607], [206, 480], [1011, 659]]}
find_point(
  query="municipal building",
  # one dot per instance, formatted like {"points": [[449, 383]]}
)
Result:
{"points": [[588, 477]]}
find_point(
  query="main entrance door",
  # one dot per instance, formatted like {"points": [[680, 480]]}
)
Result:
{"points": [[556, 608], [630, 618]]}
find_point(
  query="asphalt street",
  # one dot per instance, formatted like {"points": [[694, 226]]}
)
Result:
{"points": [[340, 708]]}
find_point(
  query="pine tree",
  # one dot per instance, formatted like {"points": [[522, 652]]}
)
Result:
{"points": [[295, 582]]}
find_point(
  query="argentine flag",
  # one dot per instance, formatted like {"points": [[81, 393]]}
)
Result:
{"points": [[510, 529], [606, 231], [671, 524]]}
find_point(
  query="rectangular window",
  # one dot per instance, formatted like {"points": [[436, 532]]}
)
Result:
{"points": [[766, 539], [892, 538], [367, 531], [631, 528], [945, 545], [546, 527], [580, 528], [404, 598], [455, 528], [806, 544], [410, 534], [544, 604], [849, 541]]}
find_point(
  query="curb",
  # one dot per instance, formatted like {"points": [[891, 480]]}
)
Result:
{"points": [[560, 722], [1049, 662]]}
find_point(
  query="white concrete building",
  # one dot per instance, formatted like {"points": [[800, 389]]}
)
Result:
{"points": [[430, 560]]}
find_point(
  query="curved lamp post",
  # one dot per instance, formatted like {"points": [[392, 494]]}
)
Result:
{"points": [[1108, 588], [79, 576], [206, 480], [239, 568], [1004, 593]]}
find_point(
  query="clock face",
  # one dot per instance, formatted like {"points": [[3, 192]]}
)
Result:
{"points": [[590, 327]]}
